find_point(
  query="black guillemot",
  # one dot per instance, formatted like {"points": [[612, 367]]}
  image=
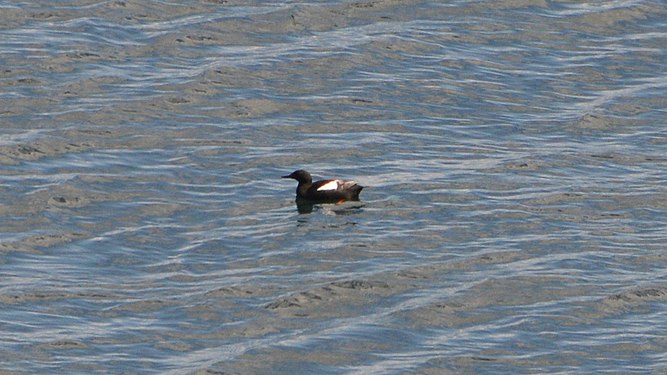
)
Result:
{"points": [[324, 190]]}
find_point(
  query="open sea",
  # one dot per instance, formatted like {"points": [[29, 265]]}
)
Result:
{"points": [[513, 153]]}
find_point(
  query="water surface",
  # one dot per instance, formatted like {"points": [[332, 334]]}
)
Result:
{"points": [[513, 219]]}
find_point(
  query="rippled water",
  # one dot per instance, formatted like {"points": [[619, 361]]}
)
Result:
{"points": [[513, 220]]}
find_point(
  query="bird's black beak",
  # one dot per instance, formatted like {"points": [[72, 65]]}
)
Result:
{"points": [[288, 176]]}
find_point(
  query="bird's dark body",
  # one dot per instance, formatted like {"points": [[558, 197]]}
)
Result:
{"points": [[324, 190]]}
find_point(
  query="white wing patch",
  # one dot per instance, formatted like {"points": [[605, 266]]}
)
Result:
{"points": [[331, 185]]}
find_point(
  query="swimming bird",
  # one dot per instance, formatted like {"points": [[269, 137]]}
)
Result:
{"points": [[324, 190]]}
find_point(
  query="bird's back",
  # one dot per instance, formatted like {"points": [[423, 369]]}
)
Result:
{"points": [[334, 190]]}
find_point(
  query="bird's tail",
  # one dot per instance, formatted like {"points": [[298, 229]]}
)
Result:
{"points": [[356, 190]]}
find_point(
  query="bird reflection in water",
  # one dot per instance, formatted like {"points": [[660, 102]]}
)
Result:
{"points": [[305, 206]]}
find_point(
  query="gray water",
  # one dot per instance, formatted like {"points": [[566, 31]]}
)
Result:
{"points": [[513, 155]]}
